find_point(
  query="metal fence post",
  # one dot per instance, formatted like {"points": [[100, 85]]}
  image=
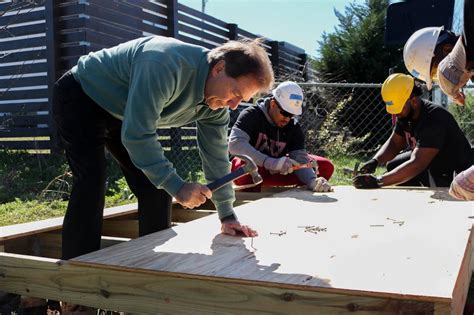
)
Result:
{"points": [[275, 58], [304, 67], [233, 31], [172, 18], [52, 55]]}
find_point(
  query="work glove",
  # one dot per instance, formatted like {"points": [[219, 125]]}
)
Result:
{"points": [[320, 184], [283, 165], [462, 186], [365, 181], [452, 73], [369, 167]]}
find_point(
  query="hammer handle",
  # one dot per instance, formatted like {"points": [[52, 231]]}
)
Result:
{"points": [[218, 183], [305, 165]]}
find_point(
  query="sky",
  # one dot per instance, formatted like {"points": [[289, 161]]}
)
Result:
{"points": [[298, 22]]}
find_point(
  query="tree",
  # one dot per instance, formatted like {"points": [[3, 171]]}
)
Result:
{"points": [[355, 52]]}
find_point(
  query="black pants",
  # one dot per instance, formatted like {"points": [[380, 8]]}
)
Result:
{"points": [[85, 130], [422, 179]]}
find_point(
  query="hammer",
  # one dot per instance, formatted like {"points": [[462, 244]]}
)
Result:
{"points": [[249, 168], [312, 164]]}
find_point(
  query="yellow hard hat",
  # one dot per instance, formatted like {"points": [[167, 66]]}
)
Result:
{"points": [[396, 90]]}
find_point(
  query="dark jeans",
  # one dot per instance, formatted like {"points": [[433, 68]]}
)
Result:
{"points": [[421, 179], [85, 130]]}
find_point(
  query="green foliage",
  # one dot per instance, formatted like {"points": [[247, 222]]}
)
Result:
{"points": [[25, 175], [355, 52], [464, 115], [332, 138], [28, 176]]}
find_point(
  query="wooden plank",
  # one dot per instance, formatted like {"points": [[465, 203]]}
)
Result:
{"points": [[31, 228], [194, 41], [201, 25], [376, 243], [23, 94], [25, 145], [48, 244], [201, 16], [23, 107], [23, 81], [154, 7], [24, 132], [22, 30], [120, 228], [17, 120], [23, 69], [154, 292], [24, 43], [183, 215], [22, 18], [200, 33], [23, 56]]}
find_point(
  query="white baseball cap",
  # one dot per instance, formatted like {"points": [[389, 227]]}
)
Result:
{"points": [[290, 97]]}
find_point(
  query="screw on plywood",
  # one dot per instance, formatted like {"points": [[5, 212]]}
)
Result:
{"points": [[313, 229], [278, 233], [251, 244]]}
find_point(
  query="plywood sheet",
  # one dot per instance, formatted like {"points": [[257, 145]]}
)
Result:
{"points": [[402, 243]]}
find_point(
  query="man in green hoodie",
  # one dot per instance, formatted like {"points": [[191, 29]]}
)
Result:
{"points": [[116, 98]]}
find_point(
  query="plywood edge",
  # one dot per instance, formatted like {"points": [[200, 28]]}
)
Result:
{"points": [[148, 292], [441, 302], [463, 280]]}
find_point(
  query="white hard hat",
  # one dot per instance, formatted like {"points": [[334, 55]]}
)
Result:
{"points": [[419, 51], [290, 97]]}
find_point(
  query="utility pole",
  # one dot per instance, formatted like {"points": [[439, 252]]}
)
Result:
{"points": [[203, 6]]}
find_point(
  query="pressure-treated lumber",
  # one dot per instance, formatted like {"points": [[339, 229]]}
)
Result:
{"points": [[143, 292]]}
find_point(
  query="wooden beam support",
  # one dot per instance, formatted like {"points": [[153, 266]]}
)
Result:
{"points": [[148, 292]]}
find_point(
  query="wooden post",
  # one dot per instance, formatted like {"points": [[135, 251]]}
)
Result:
{"points": [[52, 55], [233, 31], [275, 58], [172, 18]]}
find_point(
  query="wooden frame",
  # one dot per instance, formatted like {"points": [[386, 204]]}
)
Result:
{"points": [[110, 279]]}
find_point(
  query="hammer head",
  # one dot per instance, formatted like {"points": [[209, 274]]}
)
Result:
{"points": [[251, 168]]}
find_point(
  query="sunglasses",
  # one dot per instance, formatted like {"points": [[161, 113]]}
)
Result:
{"points": [[284, 112]]}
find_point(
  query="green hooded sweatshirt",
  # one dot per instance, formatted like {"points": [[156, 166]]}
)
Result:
{"points": [[158, 82]]}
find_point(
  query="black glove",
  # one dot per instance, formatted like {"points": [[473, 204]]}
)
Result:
{"points": [[365, 181], [369, 167]]}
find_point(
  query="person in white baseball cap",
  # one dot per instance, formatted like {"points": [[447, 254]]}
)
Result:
{"points": [[270, 135]]}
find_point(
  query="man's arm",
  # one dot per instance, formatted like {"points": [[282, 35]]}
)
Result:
{"points": [[390, 148], [239, 143], [419, 161], [214, 153]]}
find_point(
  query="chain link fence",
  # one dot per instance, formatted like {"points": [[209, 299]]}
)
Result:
{"points": [[339, 119]]}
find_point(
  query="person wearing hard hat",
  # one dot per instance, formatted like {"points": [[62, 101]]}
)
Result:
{"points": [[272, 137], [428, 52], [434, 53], [426, 146], [425, 49]]}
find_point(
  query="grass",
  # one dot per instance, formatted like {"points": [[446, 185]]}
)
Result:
{"points": [[24, 179]]}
